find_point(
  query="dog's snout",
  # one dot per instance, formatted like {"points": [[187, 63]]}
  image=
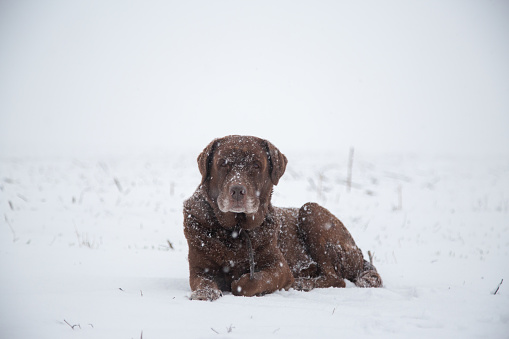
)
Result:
{"points": [[237, 192]]}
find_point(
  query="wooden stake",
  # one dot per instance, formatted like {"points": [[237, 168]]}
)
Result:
{"points": [[370, 255], [349, 175]]}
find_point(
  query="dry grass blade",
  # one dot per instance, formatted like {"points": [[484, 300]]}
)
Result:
{"points": [[72, 326], [14, 238], [170, 244], [117, 183], [498, 287]]}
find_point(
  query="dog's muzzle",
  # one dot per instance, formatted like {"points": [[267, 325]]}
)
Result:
{"points": [[237, 200]]}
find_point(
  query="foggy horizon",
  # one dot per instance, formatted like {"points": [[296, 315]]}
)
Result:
{"points": [[114, 77]]}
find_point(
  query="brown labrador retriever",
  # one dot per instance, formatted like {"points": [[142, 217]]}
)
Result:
{"points": [[239, 242]]}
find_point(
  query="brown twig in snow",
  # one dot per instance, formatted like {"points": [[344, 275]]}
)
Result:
{"points": [[170, 244], [72, 326], [498, 287], [117, 183]]}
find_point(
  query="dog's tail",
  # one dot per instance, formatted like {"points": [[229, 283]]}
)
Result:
{"points": [[368, 277]]}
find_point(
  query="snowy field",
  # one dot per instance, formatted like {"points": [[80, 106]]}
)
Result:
{"points": [[94, 248]]}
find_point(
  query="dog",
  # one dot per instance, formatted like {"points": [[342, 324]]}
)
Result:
{"points": [[240, 243]]}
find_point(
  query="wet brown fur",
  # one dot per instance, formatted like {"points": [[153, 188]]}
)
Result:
{"points": [[302, 248]]}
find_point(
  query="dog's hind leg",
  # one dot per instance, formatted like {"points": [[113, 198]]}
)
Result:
{"points": [[330, 245]]}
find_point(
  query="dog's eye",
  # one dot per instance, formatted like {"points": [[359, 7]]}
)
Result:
{"points": [[256, 165], [223, 163]]}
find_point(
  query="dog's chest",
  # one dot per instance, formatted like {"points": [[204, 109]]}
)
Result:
{"points": [[232, 252]]}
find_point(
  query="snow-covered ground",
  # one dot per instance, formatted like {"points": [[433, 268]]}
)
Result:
{"points": [[94, 248]]}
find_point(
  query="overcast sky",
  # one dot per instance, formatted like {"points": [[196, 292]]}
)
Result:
{"points": [[96, 77]]}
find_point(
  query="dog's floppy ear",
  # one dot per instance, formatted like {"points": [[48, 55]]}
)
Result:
{"points": [[277, 162], [205, 160]]}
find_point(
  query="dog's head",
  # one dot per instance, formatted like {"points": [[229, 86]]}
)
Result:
{"points": [[238, 173]]}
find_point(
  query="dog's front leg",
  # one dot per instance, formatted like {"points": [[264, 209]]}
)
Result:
{"points": [[204, 288], [202, 277]]}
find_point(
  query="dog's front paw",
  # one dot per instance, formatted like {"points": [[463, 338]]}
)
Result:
{"points": [[206, 294], [247, 287]]}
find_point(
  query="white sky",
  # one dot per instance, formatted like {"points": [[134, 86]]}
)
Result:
{"points": [[95, 77]]}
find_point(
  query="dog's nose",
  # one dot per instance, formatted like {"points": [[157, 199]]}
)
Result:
{"points": [[237, 192]]}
